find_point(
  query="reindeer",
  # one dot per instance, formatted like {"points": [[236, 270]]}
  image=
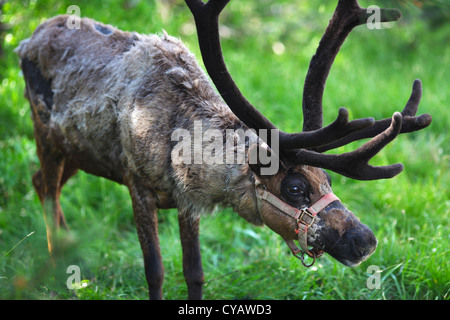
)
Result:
{"points": [[109, 102]]}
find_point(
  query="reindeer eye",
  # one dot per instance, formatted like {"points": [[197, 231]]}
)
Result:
{"points": [[295, 190]]}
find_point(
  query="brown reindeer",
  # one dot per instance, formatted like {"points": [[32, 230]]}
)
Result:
{"points": [[113, 104]]}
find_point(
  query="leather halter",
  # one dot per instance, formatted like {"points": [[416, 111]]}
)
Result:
{"points": [[304, 217]]}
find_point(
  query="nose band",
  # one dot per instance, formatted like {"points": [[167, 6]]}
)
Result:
{"points": [[305, 218]]}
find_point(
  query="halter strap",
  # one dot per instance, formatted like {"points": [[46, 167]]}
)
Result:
{"points": [[305, 218]]}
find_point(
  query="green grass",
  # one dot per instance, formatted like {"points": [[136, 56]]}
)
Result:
{"points": [[372, 76]]}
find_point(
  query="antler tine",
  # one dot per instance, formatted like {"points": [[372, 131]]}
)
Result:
{"points": [[347, 15], [410, 122], [341, 127], [355, 164], [413, 102], [206, 17]]}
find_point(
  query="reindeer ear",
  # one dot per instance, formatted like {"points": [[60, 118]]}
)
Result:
{"points": [[263, 160]]}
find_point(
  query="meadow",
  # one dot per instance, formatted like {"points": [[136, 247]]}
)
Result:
{"points": [[267, 46]]}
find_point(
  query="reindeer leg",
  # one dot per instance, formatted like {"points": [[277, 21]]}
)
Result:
{"points": [[192, 261], [145, 216], [54, 171], [68, 172], [38, 184], [46, 182]]}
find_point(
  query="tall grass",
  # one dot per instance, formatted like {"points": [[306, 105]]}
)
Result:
{"points": [[372, 76]]}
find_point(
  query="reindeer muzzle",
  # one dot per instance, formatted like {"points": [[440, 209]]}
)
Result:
{"points": [[304, 217]]}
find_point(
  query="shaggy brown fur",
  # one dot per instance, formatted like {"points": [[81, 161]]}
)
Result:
{"points": [[123, 102]]}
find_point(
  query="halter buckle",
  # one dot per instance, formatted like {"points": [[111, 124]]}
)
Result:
{"points": [[306, 218]]}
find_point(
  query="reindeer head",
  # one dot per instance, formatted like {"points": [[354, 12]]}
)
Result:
{"points": [[297, 201], [298, 204]]}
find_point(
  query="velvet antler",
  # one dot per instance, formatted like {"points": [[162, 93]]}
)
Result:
{"points": [[305, 147]]}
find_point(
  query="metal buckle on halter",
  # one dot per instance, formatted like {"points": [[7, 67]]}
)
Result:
{"points": [[305, 213], [304, 221]]}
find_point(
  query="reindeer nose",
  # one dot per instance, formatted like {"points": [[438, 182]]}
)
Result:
{"points": [[363, 243]]}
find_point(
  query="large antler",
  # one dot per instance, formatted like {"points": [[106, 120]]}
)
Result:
{"points": [[206, 17], [348, 14]]}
